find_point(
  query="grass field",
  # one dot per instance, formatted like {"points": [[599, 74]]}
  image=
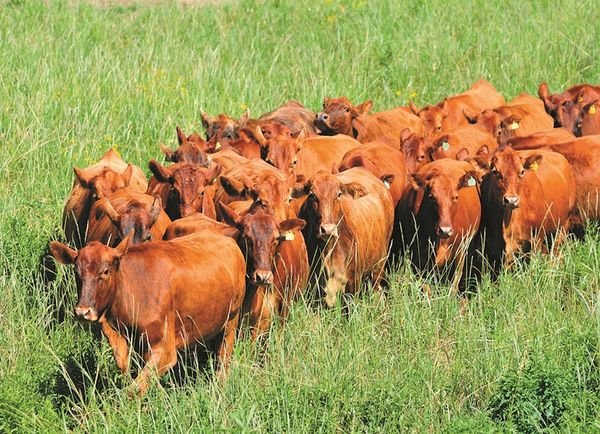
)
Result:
{"points": [[78, 79]]}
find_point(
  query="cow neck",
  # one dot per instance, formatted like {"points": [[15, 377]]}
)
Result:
{"points": [[117, 308]]}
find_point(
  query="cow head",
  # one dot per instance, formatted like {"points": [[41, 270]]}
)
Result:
{"points": [[506, 172], [325, 196], [104, 183], [223, 127], [281, 151], [188, 182], [338, 114], [191, 149], [440, 193], [263, 236], [416, 150], [136, 219], [433, 117], [569, 116], [96, 272], [551, 102]]}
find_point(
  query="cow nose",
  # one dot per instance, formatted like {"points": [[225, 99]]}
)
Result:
{"points": [[329, 230], [86, 312], [511, 201], [263, 277], [323, 117], [445, 231]]}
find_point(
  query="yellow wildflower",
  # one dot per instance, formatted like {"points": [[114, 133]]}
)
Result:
{"points": [[331, 19]]}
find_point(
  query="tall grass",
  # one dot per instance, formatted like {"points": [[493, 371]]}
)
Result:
{"points": [[76, 80]]}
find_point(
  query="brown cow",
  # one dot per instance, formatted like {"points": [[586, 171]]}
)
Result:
{"points": [[581, 94], [222, 127], [191, 149], [526, 195], [198, 223], [227, 159], [581, 120], [112, 218], [292, 115], [339, 116], [305, 156], [103, 178], [462, 142], [171, 294], [439, 216], [277, 263], [583, 154], [449, 113], [415, 149], [523, 116], [350, 215], [381, 160], [549, 137], [184, 188]]}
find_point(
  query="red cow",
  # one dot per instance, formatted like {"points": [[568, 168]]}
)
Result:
{"points": [[184, 188], [101, 179], [549, 137], [191, 149], [350, 215], [439, 216], [523, 116], [222, 126], [227, 159], [198, 223], [171, 294], [525, 196], [112, 218], [415, 149], [449, 113], [581, 94], [339, 116], [463, 142], [277, 263]]}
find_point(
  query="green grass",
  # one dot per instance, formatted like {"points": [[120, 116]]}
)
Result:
{"points": [[76, 80]]}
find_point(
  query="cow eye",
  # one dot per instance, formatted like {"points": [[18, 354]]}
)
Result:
{"points": [[148, 237], [289, 199], [339, 194], [104, 273], [346, 109]]}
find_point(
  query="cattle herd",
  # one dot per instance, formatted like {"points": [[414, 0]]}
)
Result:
{"points": [[248, 217]]}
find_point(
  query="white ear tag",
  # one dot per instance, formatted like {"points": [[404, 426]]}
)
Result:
{"points": [[289, 236], [471, 182], [387, 184], [514, 126], [445, 146]]}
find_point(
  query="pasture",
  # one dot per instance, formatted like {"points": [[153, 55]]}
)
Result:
{"points": [[79, 78]]}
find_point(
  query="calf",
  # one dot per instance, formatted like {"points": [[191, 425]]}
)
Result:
{"points": [[439, 216], [184, 188], [112, 218], [349, 216], [449, 113], [170, 294], [108, 175], [339, 116], [525, 195]]}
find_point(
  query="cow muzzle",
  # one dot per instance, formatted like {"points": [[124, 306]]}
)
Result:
{"points": [[322, 118], [87, 313], [510, 202], [445, 231], [328, 231], [262, 277]]}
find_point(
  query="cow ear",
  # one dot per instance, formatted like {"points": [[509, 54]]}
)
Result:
{"points": [[300, 189], [104, 206], [123, 246], [334, 169], [169, 154], [544, 95], [181, 137], [232, 187], [587, 109], [442, 142], [206, 120], [301, 138], [387, 179], [243, 120], [364, 108], [480, 163], [161, 173], [512, 121], [62, 253], [127, 174], [259, 136], [231, 217], [416, 181], [83, 180], [532, 162], [462, 155], [483, 150], [354, 189], [287, 226], [469, 179], [155, 209], [470, 116], [213, 172], [404, 136], [413, 108]]}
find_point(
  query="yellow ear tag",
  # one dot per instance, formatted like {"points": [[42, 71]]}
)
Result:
{"points": [[445, 146], [514, 126], [471, 182], [218, 146], [289, 236], [580, 99], [592, 110], [534, 166]]}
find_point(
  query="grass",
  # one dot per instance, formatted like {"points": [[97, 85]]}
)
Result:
{"points": [[76, 80]]}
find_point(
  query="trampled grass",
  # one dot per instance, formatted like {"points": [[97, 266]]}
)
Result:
{"points": [[76, 80]]}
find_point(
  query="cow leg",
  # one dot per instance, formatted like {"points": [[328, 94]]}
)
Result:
{"points": [[225, 347], [119, 346]]}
